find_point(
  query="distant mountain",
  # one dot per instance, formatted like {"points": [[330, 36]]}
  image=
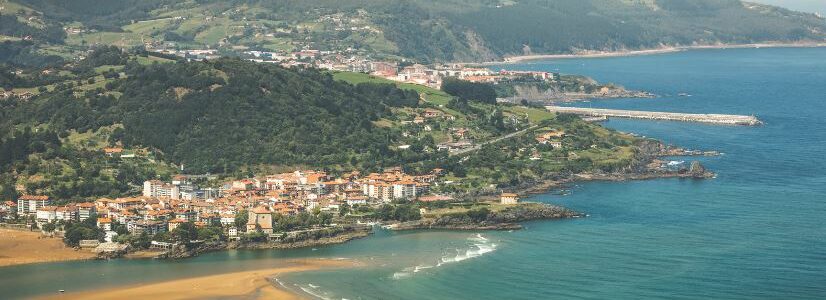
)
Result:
{"points": [[425, 30]]}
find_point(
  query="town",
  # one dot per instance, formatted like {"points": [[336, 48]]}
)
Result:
{"points": [[352, 61], [254, 208]]}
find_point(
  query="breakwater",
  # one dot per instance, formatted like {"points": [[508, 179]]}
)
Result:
{"points": [[653, 115]]}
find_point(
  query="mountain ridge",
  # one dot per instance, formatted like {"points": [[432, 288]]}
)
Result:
{"points": [[426, 30]]}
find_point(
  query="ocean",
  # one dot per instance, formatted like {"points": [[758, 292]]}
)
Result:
{"points": [[757, 231]]}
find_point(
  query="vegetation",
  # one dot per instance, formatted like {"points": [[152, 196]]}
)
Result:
{"points": [[469, 91], [206, 115], [423, 30], [85, 230]]}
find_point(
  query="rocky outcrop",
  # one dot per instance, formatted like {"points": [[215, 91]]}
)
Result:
{"points": [[506, 219], [192, 250], [338, 238], [111, 250], [697, 170]]}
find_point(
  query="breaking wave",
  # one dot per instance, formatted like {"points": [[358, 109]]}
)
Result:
{"points": [[478, 245]]}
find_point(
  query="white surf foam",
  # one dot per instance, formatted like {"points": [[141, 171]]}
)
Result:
{"points": [[478, 245]]}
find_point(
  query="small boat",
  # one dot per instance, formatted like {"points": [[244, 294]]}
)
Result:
{"points": [[684, 95], [62, 291]]}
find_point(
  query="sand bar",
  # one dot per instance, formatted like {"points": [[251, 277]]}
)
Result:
{"points": [[26, 247], [255, 284]]}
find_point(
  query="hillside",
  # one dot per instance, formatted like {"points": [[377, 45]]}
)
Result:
{"points": [[424, 30], [102, 125]]}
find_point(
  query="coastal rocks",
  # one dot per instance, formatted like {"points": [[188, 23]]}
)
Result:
{"points": [[506, 219], [697, 170], [111, 250], [192, 250], [338, 238], [182, 251]]}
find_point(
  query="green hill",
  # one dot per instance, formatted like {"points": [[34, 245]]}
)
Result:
{"points": [[102, 125], [427, 30]]}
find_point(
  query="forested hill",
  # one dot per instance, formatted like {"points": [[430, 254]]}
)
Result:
{"points": [[100, 126], [218, 116], [215, 116], [425, 30]]}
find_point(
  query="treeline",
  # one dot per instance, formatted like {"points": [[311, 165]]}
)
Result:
{"points": [[107, 15], [469, 91], [11, 26], [25, 54], [18, 145]]}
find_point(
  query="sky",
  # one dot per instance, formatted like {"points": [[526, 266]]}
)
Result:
{"points": [[801, 5]]}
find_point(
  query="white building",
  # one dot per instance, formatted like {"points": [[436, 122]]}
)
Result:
{"points": [[158, 189], [29, 204], [46, 214]]}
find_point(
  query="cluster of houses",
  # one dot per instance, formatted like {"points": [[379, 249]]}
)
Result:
{"points": [[11, 94], [352, 60], [433, 76], [552, 137], [164, 206], [189, 54]]}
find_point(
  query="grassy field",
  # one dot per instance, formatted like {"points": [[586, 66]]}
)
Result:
{"points": [[535, 115], [120, 39], [148, 26], [104, 68], [152, 59], [429, 94]]}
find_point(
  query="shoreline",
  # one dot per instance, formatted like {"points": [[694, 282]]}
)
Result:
{"points": [[653, 51], [256, 284]]}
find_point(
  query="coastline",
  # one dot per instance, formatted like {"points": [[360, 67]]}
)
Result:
{"points": [[184, 252], [654, 51], [647, 166], [257, 284]]}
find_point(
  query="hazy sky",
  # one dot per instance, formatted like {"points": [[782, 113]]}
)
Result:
{"points": [[801, 5]]}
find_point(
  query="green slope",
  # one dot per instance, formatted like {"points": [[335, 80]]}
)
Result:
{"points": [[429, 30]]}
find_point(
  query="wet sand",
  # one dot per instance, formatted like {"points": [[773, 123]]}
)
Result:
{"points": [[257, 284], [26, 247]]}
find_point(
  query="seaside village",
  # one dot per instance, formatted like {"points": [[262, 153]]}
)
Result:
{"points": [[351, 61], [163, 206]]}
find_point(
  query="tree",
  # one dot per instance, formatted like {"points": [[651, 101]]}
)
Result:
{"points": [[75, 232], [241, 219], [211, 233], [343, 209], [325, 218], [469, 91], [49, 227], [185, 232], [142, 241]]}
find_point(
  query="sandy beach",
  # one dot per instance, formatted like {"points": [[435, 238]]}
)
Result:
{"points": [[255, 284], [598, 54], [26, 247]]}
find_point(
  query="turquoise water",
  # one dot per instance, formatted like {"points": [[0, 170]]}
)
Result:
{"points": [[757, 231]]}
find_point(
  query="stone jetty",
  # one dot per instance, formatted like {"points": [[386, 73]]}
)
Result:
{"points": [[653, 115]]}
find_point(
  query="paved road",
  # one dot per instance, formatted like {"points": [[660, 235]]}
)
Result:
{"points": [[496, 140]]}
